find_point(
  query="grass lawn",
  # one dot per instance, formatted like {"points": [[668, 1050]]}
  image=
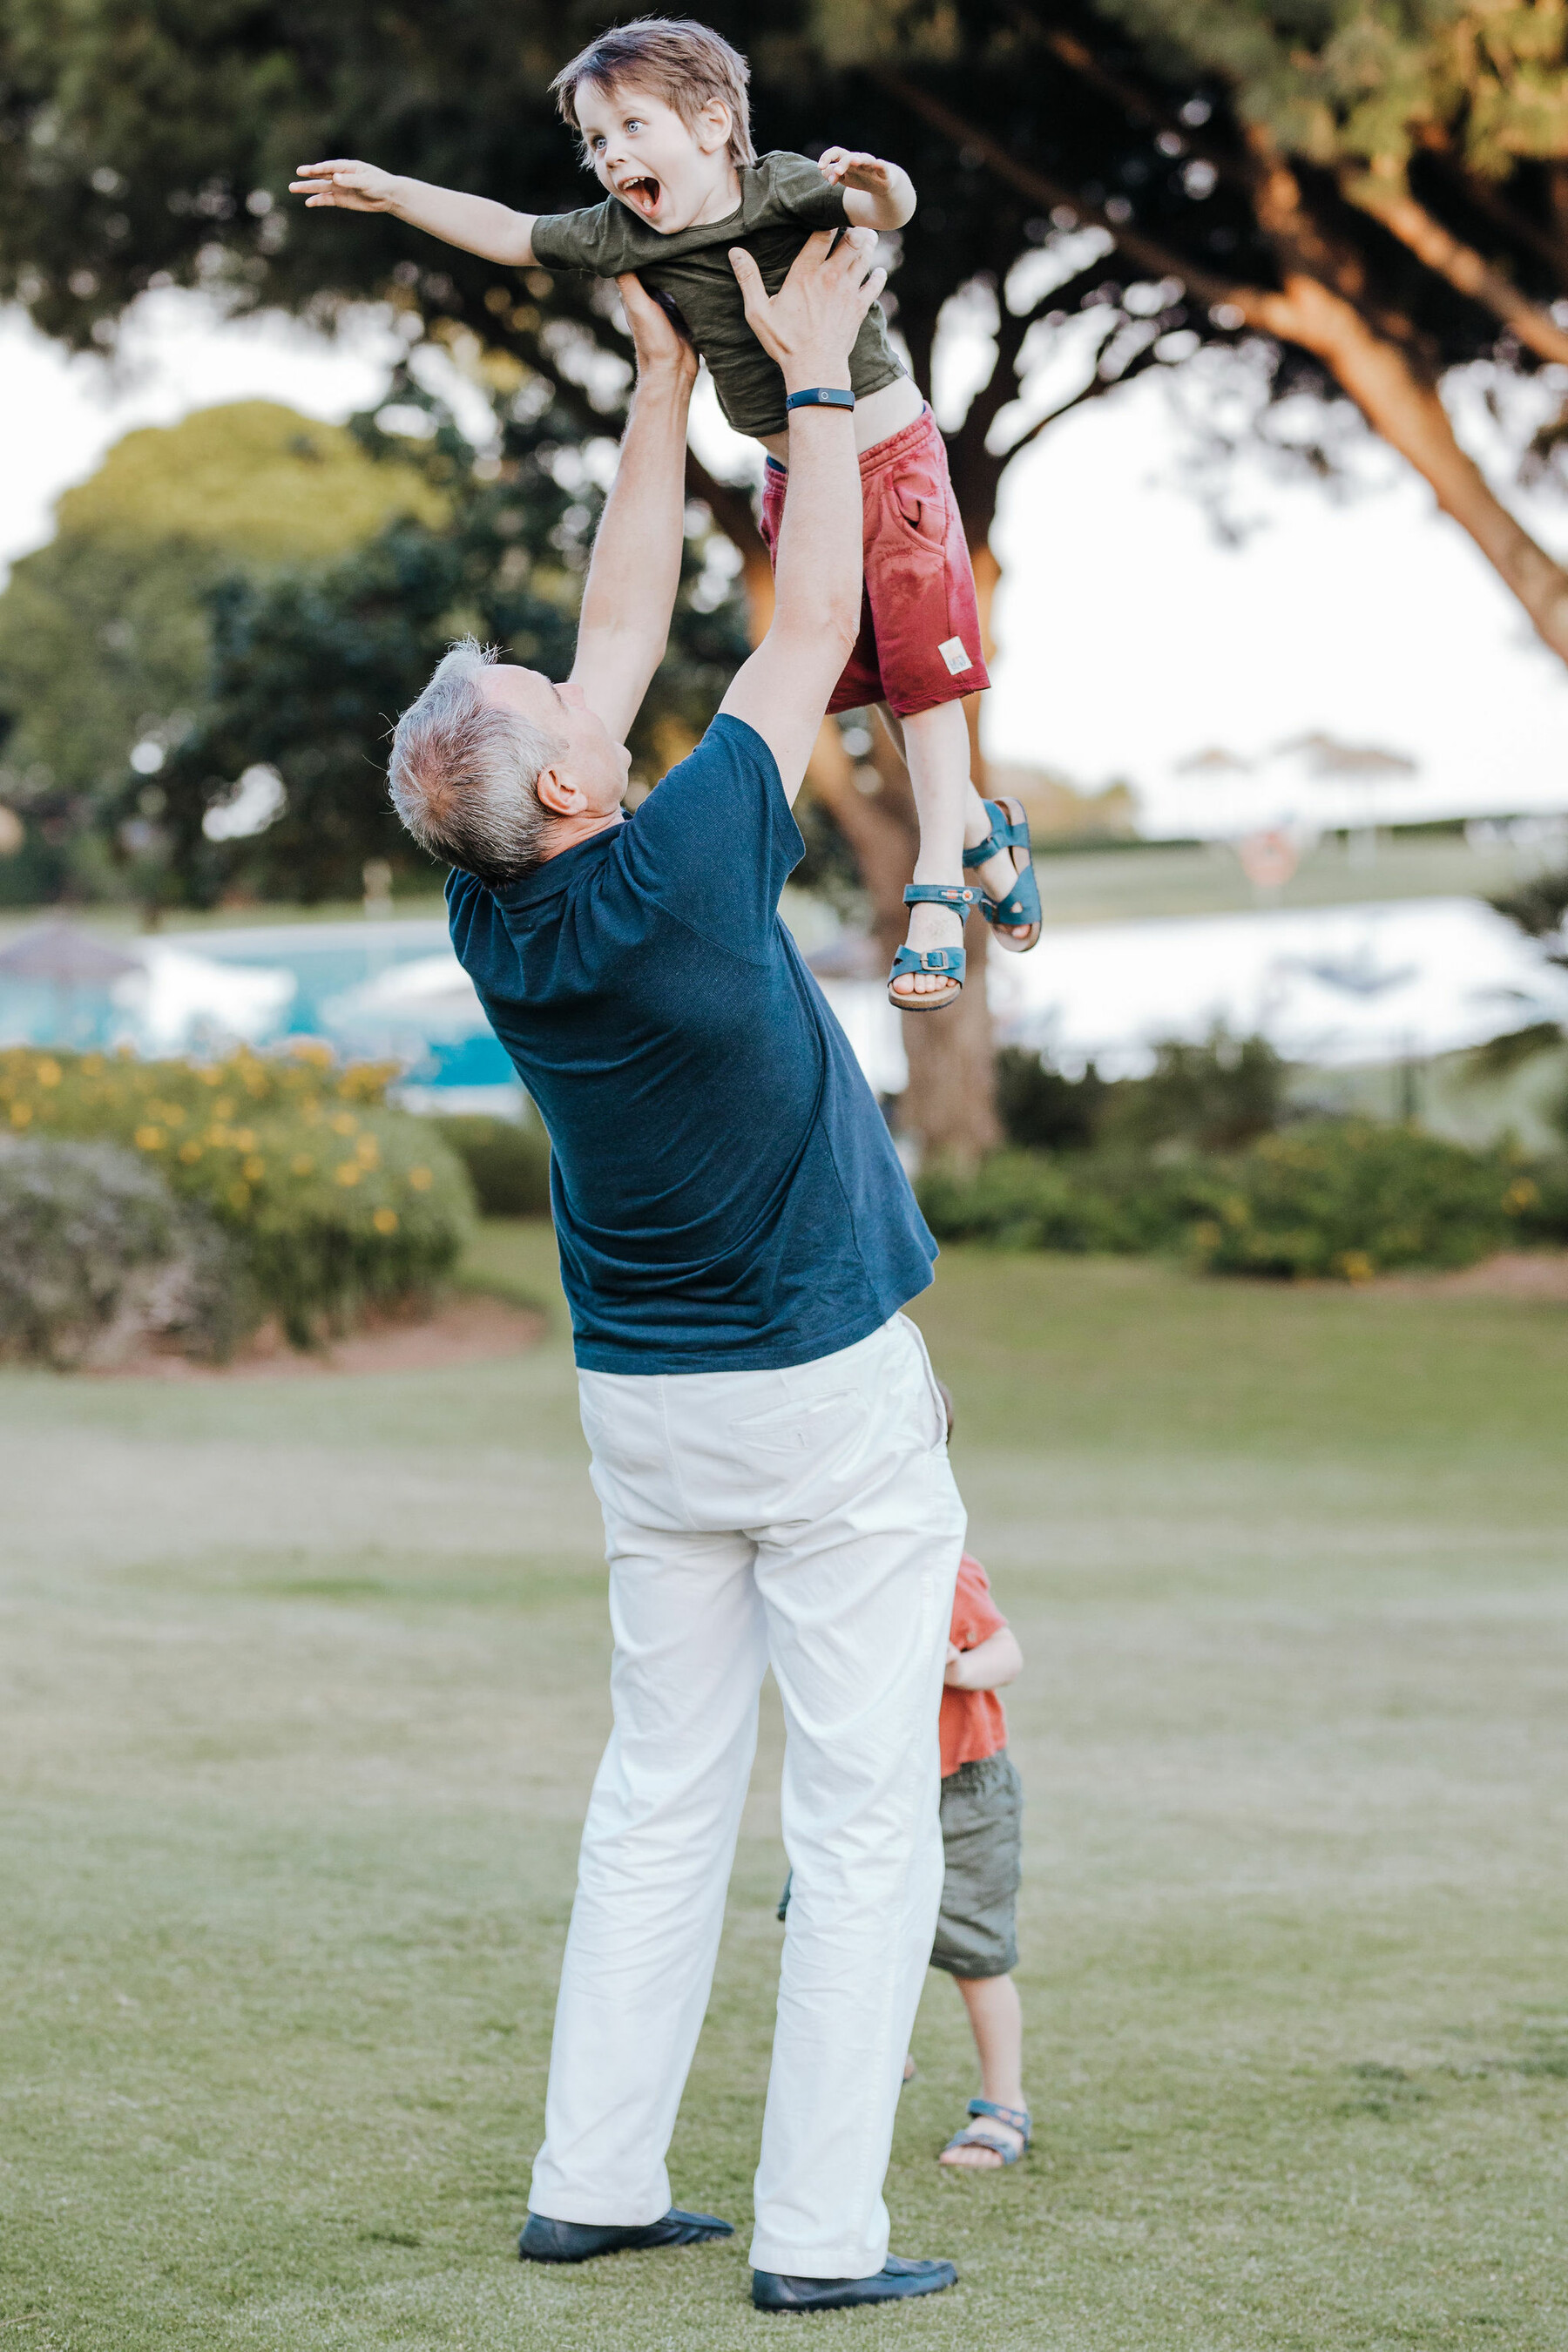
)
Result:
{"points": [[302, 1685]]}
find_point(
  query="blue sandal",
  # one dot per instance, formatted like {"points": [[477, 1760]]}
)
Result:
{"points": [[1021, 906], [949, 961], [1019, 2117]]}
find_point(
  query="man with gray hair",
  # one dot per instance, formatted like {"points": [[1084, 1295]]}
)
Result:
{"points": [[736, 1237]]}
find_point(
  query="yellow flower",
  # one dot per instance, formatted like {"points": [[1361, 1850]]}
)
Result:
{"points": [[345, 1123], [348, 1171], [420, 1178], [245, 1138], [385, 1221], [301, 1164], [367, 1150], [1520, 1195], [149, 1139], [48, 1072], [239, 1196], [254, 1168], [223, 1109], [212, 1075], [21, 1114], [190, 1152], [1355, 1266]]}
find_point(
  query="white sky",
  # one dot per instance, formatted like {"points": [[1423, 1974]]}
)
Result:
{"points": [[1130, 637]]}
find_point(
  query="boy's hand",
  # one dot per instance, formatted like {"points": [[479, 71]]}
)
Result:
{"points": [[661, 349], [850, 167], [353, 187]]}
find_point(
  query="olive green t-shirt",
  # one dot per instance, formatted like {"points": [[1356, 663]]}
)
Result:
{"points": [[784, 198]]}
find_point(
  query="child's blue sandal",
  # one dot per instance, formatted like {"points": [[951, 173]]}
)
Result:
{"points": [[948, 961], [1021, 2120], [1020, 909]]}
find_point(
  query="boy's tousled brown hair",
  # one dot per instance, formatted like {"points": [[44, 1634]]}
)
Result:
{"points": [[686, 64]]}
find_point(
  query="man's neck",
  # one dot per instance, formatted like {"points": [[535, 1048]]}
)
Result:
{"points": [[568, 831]]}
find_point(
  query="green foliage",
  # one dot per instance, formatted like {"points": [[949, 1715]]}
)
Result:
{"points": [[312, 664], [1041, 1110], [95, 1250], [1213, 1097], [105, 636], [1540, 907], [508, 1162], [1350, 1199], [334, 1200], [1333, 1198]]}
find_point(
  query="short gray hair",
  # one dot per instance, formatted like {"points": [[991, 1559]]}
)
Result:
{"points": [[463, 770]]}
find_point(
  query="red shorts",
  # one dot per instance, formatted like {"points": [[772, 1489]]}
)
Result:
{"points": [[920, 625]]}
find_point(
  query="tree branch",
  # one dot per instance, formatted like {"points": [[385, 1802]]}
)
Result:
{"points": [[1460, 265]]}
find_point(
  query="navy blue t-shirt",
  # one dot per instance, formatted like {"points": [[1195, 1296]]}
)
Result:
{"points": [[725, 1191]]}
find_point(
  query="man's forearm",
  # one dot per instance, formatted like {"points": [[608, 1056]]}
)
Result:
{"points": [[817, 577], [474, 223], [635, 565]]}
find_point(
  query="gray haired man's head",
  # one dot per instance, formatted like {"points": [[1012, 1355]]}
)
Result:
{"points": [[464, 768]]}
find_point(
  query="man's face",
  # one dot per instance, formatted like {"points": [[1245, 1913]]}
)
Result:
{"points": [[590, 776], [661, 168]]}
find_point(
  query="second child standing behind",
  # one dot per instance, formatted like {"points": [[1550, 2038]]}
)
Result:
{"points": [[661, 109]]}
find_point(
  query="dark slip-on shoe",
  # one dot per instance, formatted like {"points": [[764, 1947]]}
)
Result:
{"points": [[544, 2241], [894, 2283]]}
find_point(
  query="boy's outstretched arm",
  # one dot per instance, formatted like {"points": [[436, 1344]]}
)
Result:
{"points": [[991, 1663], [472, 222], [629, 594], [876, 194]]}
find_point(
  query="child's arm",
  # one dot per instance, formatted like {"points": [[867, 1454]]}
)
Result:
{"points": [[876, 194], [472, 222], [991, 1663]]}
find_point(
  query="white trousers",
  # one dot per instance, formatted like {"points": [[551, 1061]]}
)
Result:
{"points": [[807, 1520]]}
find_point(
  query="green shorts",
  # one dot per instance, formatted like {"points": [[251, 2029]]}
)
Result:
{"points": [[981, 1821]]}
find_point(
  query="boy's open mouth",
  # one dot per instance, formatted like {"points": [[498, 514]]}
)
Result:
{"points": [[641, 192]]}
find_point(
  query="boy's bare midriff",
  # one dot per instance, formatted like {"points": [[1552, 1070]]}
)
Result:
{"points": [[878, 415]]}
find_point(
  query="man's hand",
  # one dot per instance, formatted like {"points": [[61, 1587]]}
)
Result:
{"points": [[662, 350], [809, 326], [353, 187]]}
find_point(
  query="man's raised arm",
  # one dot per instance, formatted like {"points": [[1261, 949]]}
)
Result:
{"points": [[809, 327], [635, 567]]}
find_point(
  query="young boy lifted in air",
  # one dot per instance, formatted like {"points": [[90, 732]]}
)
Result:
{"points": [[661, 109]]}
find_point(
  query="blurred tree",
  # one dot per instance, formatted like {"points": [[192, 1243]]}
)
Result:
{"points": [[104, 633], [1107, 185], [312, 663]]}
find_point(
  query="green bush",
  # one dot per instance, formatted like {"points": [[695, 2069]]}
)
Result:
{"points": [[508, 1163], [96, 1251], [333, 1201], [1217, 1097], [1338, 1198], [1351, 1199], [1091, 1201]]}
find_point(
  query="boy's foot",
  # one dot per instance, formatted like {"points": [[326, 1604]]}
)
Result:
{"points": [[894, 2283], [930, 927], [997, 877], [547, 2241], [994, 2139]]}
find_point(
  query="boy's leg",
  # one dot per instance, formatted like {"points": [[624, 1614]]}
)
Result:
{"points": [[997, 875], [858, 1592], [997, 2017], [936, 753], [659, 1839]]}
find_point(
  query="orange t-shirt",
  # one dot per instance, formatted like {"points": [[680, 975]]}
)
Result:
{"points": [[973, 1722]]}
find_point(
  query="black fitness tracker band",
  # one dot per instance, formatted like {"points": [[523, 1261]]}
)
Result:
{"points": [[821, 395]]}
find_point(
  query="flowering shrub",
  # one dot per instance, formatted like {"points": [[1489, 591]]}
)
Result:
{"points": [[332, 1200], [94, 1251], [1344, 1198]]}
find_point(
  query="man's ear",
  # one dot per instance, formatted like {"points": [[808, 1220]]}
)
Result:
{"points": [[552, 792], [714, 125]]}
